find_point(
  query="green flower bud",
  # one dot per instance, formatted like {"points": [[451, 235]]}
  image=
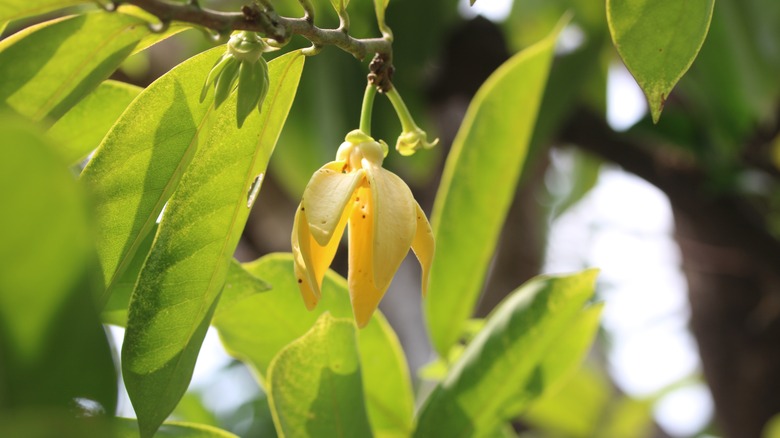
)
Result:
{"points": [[252, 88]]}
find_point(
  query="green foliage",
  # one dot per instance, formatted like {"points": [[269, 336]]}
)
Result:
{"points": [[126, 428], [16, 9], [46, 282], [121, 176], [315, 386], [179, 286], [81, 129], [280, 315], [487, 156], [658, 41], [534, 337], [48, 68]]}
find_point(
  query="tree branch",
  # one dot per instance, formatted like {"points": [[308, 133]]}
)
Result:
{"points": [[267, 23], [683, 182]]}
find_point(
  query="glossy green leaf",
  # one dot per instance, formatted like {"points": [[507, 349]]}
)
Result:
{"points": [[15, 9], [576, 410], [281, 317], [128, 428], [658, 41], [48, 68], [180, 284], [380, 6], [52, 345], [477, 187], [239, 285], [141, 161], [514, 357], [772, 428], [81, 129], [314, 384], [561, 361]]}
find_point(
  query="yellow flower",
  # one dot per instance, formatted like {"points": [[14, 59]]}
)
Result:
{"points": [[384, 222]]}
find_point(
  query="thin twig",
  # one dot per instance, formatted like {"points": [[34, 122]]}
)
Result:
{"points": [[265, 22]]}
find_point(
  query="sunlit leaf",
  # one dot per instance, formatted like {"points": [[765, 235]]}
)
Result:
{"points": [[128, 428], [239, 284], [658, 41], [315, 387], [576, 410], [142, 159], [48, 68], [477, 187], [281, 317], [380, 6], [180, 284], [82, 128], [514, 358], [47, 283], [15, 9]]}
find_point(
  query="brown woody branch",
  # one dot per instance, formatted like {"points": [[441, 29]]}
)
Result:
{"points": [[266, 22]]}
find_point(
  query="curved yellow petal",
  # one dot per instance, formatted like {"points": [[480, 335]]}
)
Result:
{"points": [[302, 254], [423, 246], [326, 196], [365, 296], [395, 223], [311, 259]]}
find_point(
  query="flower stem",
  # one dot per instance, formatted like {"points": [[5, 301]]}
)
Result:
{"points": [[407, 122], [368, 106]]}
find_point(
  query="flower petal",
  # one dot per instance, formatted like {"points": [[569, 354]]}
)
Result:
{"points": [[365, 296], [302, 254], [326, 196], [311, 259], [395, 223], [423, 246]]}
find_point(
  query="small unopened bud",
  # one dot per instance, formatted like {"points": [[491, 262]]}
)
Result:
{"points": [[411, 141]]}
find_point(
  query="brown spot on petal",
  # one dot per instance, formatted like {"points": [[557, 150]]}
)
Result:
{"points": [[364, 216], [300, 281]]}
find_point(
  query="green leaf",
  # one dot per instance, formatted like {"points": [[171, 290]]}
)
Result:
{"points": [[52, 345], [281, 317], [128, 428], [82, 128], [380, 6], [577, 410], [658, 41], [180, 284], [477, 187], [48, 68], [142, 159], [315, 386], [239, 285], [15, 9], [528, 343], [772, 428]]}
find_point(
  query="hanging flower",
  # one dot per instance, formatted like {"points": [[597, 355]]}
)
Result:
{"points": [[384, 222]]}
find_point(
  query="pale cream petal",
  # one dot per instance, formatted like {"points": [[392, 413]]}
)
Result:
{"points": [[363, 293], [327, 194], [395, 223], [423, 246], [302, 260], [314, 259]]}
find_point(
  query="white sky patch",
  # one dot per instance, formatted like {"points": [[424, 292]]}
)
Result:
{"points": [[211, 360], [494, 10], [626, 103], [685, 411]]}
